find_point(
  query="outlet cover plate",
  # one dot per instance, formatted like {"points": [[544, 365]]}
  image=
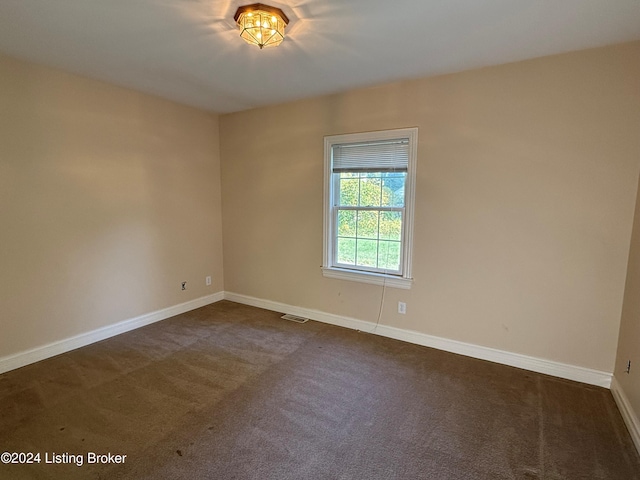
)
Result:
{"points": [[402, 308]]}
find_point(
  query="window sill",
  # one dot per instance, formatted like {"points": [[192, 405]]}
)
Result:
{"points": [[368, 277]]}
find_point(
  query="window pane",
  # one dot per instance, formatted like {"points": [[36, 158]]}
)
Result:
{"points": [[368, 224], [391, 226], [397, 200], [393, 189], [370, 191], [346, 223], [349, 191], [389, 256], [387, 196], [347, 251], [367, 253]]}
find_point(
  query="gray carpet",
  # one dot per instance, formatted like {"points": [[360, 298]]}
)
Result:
{"points": [[234, 392]]}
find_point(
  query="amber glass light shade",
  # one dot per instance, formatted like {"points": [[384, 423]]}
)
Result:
{"points": [[261, 24]]}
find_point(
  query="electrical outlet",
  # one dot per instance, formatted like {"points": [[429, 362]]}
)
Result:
{"points": [[207, 281], [628, 366], [184, 285], [402, 308]]}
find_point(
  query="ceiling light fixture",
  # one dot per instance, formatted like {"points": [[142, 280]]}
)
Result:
{"points": [[261, 24]]}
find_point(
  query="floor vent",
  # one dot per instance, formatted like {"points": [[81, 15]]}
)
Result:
{"points": [[294, 318]]}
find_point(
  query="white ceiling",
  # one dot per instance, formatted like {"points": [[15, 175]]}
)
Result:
{"points": [[190, 50]]}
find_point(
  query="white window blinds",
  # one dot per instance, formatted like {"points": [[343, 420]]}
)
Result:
{"points": [[375, 156]]}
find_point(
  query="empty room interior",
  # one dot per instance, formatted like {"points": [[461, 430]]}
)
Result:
{"points": [[442, 196]]}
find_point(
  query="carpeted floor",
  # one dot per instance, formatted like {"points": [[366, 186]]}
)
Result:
{"points": [[234, 392]]}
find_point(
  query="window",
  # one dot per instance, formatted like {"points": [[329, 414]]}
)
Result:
{"points": [[369, 196]]}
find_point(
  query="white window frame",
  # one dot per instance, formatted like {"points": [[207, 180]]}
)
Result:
{"points": [[329, 228]]}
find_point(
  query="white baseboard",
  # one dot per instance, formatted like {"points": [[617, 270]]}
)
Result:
{"points": [[628, 415], [571, 372], [540, 365], [33, 355]]}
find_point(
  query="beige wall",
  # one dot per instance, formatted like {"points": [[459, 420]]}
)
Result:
{"points": [[108, 200], [527, 176], [526, 186], [629, 341]]}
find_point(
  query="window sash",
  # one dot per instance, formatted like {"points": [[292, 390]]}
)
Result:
{"points": [[364, 268]]}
